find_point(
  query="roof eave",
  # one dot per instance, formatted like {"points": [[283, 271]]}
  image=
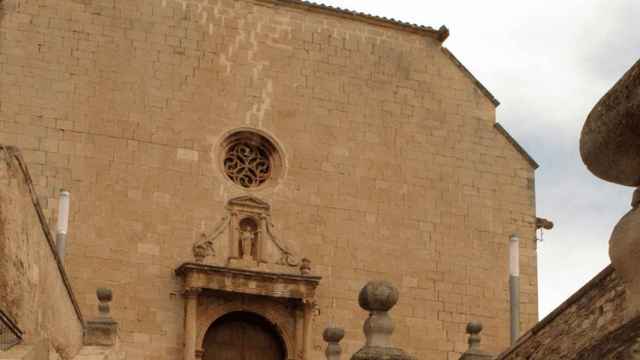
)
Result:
{"points": [[440, 34], [517, 146], [475, 80]]}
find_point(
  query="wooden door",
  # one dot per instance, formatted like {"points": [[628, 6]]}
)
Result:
{"points": [[242, 336]]}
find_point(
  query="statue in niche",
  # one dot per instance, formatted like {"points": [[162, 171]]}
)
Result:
{"points": [[248, 234]]}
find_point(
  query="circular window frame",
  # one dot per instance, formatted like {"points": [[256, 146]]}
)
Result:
{"points": [[258, 139]]}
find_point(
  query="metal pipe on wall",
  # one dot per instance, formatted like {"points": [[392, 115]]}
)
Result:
{"points": [[63, 223], [514, 286]]}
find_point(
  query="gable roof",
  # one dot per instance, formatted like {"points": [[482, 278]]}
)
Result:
{"points": [[517, 146], [439, 35]]}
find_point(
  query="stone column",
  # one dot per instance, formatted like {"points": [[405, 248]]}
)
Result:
{"points": [[300, 331], [378, 297], [234, 242], [190, 322], [474, 352], [333, 335], [307, 322], [609, 146]]}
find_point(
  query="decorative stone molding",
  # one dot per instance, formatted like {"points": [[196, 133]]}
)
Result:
{"points": [[609, 145], [474, 353], [378, 297], [280, 298], [102, 331], [245, 238]]}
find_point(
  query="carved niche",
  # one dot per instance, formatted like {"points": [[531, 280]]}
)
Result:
{"points": [[244, 238]]}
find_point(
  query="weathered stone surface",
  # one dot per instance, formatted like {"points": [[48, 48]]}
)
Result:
{"points": [[591, 325], [333, 336], [34, 290], [474, 352], [102, 331], [393, 165], [610, 140], [378, 297], [624, 251]]}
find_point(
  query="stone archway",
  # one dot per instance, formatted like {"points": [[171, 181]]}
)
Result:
{"points": [[243, 335]]}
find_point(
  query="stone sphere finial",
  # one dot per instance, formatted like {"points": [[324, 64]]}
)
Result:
{"points": [[104, 296], [378, 296], [333, 334], [474, 328]]}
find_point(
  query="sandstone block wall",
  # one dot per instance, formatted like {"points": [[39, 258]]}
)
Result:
{"points": [[32, 288], [592, 324], [393, 167]]}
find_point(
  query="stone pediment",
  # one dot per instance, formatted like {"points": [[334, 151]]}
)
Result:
{"points": [[248, 202], [244, 238]]}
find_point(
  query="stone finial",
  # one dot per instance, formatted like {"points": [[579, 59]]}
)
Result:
{"points": [[102, 331], [333, 335], [305, 266], [203, 248], [474, 353], [609, 143], [378, 297], [609, 146], [104, 296]]}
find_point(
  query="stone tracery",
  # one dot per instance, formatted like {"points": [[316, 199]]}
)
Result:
{"points": [[246, 164]]}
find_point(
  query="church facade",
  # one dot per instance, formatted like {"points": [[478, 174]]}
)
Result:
{"points": [[239, 169]]}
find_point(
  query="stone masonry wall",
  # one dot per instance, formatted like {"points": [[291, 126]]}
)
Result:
{"points": [[590, 325], [32, 288], [394, 169]]}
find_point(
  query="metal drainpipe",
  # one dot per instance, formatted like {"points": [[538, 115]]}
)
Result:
{"points": [[63, 223], [514, 286]]}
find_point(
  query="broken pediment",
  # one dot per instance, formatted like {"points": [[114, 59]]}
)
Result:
{"points": [[244, 238], [248, 202]]}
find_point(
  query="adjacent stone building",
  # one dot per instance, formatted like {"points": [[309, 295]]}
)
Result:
{"points": [[244, 167]]}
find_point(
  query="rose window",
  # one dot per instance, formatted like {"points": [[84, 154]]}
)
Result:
{"points": [[247, 165]]}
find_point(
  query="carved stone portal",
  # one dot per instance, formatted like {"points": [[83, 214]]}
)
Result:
{"points": [[241, 268]]}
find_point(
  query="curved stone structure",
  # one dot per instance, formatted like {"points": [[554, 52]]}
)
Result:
{"points": [[609, 143], [610, 148]]}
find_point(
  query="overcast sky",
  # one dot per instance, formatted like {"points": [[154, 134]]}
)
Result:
{"points": [[548, 62]]}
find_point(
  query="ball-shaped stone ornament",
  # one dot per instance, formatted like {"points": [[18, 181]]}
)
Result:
{"points": [[378, 296], [333, 334], [609, 142], [474, 327], [104, 294]]}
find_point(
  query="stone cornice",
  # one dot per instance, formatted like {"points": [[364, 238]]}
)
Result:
{"points": [[440, 35]]}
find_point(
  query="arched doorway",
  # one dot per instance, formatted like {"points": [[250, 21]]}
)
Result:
{"points": [[243, 336]]}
